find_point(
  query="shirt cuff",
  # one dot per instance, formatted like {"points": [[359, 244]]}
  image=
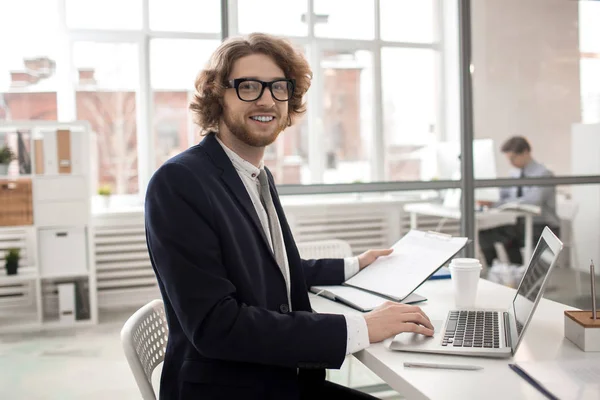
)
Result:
{"points": [[358, 333], [351, 267]]}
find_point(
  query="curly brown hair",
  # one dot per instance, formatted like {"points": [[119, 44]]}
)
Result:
{"points": [[207, 105]]}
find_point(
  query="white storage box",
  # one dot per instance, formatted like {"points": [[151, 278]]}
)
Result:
{"points": [[66, 302], [61, 213], [59, 188], [63, 252]]}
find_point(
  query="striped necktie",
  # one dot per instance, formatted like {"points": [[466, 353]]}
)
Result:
{"points": [[274, 228]]}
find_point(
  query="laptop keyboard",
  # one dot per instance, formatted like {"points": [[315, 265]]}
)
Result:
{"points": [[472, 329]]}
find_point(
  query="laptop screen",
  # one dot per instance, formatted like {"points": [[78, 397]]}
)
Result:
{"points": [[532, 283]]}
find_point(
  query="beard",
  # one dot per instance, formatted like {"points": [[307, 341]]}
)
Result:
{"points": [[240, 129]]}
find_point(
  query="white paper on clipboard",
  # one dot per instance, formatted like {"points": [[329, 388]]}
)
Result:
{"points": [[415, 257]]}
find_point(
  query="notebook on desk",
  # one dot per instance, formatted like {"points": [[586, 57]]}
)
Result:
{"points": [[416, 257], [359, 299]]}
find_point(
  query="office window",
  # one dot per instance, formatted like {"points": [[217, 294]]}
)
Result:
{"points": [[408, 20], [347, 115], [273, 16], [28, 79], [185, 15], [174, 64], [339, 19], [410, 122], [106, 90], [105, 14]]}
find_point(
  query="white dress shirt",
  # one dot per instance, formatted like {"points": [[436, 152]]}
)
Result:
{"points": [[358, 333]]}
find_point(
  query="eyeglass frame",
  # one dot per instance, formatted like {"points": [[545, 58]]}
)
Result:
{"points": [[235, 83]]}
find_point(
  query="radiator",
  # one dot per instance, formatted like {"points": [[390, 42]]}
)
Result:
{"points": [[124, 275]]}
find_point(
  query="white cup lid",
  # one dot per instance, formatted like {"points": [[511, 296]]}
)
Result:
{"points": [[465, 263]]}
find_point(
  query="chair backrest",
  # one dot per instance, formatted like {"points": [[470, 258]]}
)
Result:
{"points": [[331, 248], [567, 209], [144, 338]]}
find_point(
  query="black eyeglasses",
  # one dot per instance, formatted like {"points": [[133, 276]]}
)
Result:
{"points": [[252, 89]]}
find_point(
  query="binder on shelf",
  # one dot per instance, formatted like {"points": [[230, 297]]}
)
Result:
{"points": [[38, 150], [50, 152], [63, 151]]}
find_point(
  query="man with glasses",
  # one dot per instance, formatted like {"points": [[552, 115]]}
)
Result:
{"points": [[518, 153], [232, 281]]}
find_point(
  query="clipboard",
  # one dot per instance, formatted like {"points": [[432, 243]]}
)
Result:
{"points": [[416, 257]]}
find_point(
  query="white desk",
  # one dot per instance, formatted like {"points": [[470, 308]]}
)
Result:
{"points": [[483, 220], [544, 340]]}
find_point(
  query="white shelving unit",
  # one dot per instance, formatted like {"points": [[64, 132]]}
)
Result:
{"points": [[58, 247]]}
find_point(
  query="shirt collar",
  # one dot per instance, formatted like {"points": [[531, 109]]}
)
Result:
{"points": [[529, 167], [241, 166]]}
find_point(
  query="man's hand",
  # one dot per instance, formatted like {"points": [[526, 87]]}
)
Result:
{"points": [[367, 258], [390, 319]]}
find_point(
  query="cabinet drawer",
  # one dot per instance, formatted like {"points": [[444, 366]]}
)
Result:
{"points": [[63, 251], [61, 213], [56, 188]]}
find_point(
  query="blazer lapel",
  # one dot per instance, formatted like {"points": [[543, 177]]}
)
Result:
{"points": [[232, 180]]}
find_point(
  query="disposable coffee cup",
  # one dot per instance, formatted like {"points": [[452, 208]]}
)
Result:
{"points": [[464, 273]]}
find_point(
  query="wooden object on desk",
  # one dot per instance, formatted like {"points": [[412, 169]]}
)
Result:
{"points": [[17, 203], [63, 151], [582, 330], [38, 150]]}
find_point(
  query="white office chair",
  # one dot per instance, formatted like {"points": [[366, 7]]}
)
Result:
{"points": [[330, 248], [144, 338], [567, 210]]}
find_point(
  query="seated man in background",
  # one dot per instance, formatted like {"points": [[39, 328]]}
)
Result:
{"points": [[518, 152]]}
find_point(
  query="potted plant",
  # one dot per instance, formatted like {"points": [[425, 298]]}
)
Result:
{"points": [[12, 261], [105, 191], [6, 156]]}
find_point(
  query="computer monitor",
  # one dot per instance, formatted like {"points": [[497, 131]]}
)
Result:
{"points": [[484, 164], [484, 167]]}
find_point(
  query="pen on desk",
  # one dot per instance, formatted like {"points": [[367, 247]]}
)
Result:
{"points": [[532, 381], [593, 280], [442, 366]]}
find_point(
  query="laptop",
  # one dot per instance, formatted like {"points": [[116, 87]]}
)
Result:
{"points": [[490, 333]]}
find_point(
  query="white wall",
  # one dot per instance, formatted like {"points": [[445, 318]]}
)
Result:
{"points": [[526, 77], [586, 226]]}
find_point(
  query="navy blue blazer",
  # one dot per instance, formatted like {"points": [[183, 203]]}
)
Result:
{"points": [[231, 332]]}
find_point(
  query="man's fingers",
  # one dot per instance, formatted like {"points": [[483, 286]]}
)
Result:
{"points": [[381, 252], [417, 318], [412, 309], [410, 327]]}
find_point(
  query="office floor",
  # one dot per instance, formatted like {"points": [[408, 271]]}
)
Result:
{"points": [[88, 363]]}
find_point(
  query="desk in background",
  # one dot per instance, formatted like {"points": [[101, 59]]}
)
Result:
{"points": [[483, 220], [544, 340]]}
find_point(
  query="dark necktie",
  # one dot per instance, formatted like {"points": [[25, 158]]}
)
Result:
{"points": [[520, 188]]}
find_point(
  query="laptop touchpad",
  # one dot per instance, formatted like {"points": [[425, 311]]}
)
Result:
{"points": [[406, 340]]}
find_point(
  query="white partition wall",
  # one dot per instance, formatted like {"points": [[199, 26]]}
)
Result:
{"points": [[585, 160]]}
